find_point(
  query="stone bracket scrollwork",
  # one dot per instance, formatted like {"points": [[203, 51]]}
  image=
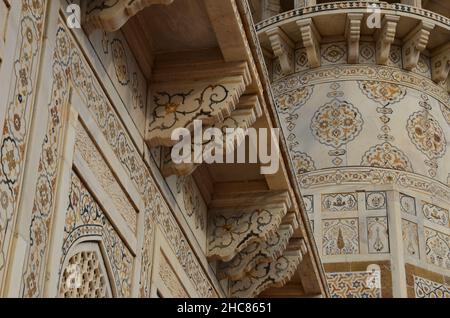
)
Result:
{"points": [[415, 43], [353, 34], [110, 15], [177, 104], [440, 63], [385, 37], [243, 117], [311, 40], [257, 252], [283, 48], [267, 274], [231, 229]]}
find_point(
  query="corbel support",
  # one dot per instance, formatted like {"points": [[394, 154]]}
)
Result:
{"points": [[247, 112], [177, 104], [311, 40], [111, 16], [256, 253], [415, 43], [266, 275], [386, 37], [353, 34], [283, 48], [231, 230], [440, 64]]}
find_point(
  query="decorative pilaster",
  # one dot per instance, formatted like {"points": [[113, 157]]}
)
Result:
{"points": [[110, 17], [353, 34], [311, 40], [385, 38], [440, 63], [283, 48], [415, 43], [231, 230]]}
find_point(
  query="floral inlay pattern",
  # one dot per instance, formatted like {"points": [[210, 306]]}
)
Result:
{"points": [[437, 248], [351, 285], [15, 129], [428, 137], [294, 100], [382, 92], [340, 236], [336, 123], [424, 288], [388, 156]]}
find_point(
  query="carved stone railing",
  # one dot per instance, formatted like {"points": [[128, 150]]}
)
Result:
{"points": [[357, 7], [110, 16]]}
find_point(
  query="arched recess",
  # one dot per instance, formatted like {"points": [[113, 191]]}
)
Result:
{"points": [[86, 273], [87, 223]]}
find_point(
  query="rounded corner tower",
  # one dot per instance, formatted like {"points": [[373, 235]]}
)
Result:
{"points": [[363, 97]]}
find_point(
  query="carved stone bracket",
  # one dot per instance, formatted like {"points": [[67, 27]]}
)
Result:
{"points": [[110, 16], [231, 230], [311, 40], [283, 48], [257, 252], [386, 37], [177, 104], [440, 63], [415, 43], [247, 112], [266, 275], [353, 34]]}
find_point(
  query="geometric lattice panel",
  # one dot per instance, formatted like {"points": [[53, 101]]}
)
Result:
{"points": [[352, 285], [84, 275], [424, 288]]}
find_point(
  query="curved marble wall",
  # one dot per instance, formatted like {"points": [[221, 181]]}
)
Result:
{"points": [[370, 147]]}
